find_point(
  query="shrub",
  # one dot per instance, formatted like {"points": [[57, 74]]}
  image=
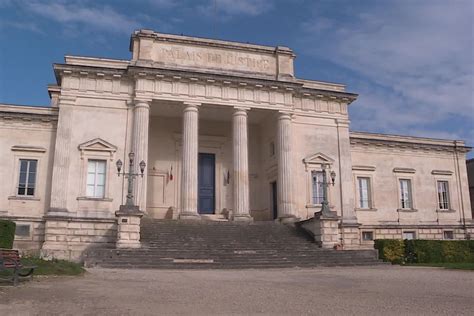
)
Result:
{"points": [[7, 233], [425, 251], [392, 250]]}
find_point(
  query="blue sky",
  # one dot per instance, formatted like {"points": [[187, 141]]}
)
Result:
{"points": [[411, 62]]}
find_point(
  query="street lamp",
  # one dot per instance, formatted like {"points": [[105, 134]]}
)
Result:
{"points": [[131, 177], [325, 205]]}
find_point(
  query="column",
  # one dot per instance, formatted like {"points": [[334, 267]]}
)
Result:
{"points": [[59, 183], [285, 163], [241, 166], [141, 121], [189, 169]]}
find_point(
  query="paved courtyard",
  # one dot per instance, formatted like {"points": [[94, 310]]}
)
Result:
{"points": [[323, 291]]}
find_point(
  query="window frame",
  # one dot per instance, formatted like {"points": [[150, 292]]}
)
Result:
{"points": [[448, 231], [320, 188], [359, 192], [407, 232], [365, 172], [367, 240], [448, 197], [96, 173], [312, 163], [28, 166], [412, 207], [96, 149], [27, 153]]}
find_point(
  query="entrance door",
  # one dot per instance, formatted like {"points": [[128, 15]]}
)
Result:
{"points": [[206, 183], [274, 199]]}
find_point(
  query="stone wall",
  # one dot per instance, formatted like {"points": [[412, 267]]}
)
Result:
{"points": [[68, 238]]}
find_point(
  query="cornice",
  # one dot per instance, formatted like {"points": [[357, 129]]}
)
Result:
{"points": [[214, 43], [28, 113], [406, 142]]}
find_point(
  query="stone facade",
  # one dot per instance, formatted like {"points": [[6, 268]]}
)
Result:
{"points": [[268, 135]]}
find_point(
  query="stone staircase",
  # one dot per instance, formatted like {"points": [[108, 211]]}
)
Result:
{"points": [[171, 244]]}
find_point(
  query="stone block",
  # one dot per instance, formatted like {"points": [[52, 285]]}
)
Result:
{"points": [[74, 225], [87, 225]]}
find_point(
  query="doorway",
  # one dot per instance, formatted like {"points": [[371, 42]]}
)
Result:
{"points": [[274, 199], [206, 183]]}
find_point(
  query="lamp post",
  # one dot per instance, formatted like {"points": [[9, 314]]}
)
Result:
{"points": [[325, 210], [129, 205]]}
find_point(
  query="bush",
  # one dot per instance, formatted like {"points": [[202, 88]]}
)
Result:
{"points": [[392, 250], [7, 233], [425, 251]]}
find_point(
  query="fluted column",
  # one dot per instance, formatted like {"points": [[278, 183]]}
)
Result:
{"points": [[62, 151], [189, 170], [241, 166], [141, 121], [286, 212]]}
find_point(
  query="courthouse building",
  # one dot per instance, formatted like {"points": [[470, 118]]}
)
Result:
{"points": [[227, 132]]}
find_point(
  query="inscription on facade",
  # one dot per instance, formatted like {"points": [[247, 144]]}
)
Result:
{"points": [[198, 57]]}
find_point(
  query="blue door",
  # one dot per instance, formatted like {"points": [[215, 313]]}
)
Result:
{"points": [[206, 183]]}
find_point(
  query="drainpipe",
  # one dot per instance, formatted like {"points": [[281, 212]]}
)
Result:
{"points": [[460, 188]]}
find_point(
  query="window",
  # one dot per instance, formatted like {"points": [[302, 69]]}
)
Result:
{"points": [[367, 236], [27, 177], [22, 230], [409, 235], [443, 195], [448, 234], [96, 178], [317, 186], [364, 192], [406, 194]]}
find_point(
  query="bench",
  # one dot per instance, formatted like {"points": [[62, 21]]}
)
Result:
{"points": [[10, 260]]}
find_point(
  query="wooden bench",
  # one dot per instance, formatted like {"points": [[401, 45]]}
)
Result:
{"points": [[10, 260]]}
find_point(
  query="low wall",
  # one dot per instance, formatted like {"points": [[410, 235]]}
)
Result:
{"points": [[68, 238]]}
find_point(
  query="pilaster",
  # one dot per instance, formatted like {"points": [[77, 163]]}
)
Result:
{"points": [[241, 168], [62, 151], [189, 170]]}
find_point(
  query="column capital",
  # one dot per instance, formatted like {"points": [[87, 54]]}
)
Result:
{"points": [[142, 102], [239, 110], [192, 104], [284, 115]]}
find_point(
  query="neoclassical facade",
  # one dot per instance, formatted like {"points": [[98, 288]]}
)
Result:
{"points": [[227, 132]]}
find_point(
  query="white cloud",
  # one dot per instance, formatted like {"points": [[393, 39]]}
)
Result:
{"points": [[229, 8], [417, 59], [102, 18]]}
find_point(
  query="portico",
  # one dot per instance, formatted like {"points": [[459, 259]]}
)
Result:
{"points": [[182, 132]]}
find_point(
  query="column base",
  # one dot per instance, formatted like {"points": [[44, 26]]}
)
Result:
{"points": [[288, 219], [128, 244], [189, 216], [242, 218]]}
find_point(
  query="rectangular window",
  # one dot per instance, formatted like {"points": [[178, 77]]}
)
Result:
{"points": [[406, 194], [443, 195], [96, 178], [364, 192], [367, 236], [27, 177], [448, 234], [317, 185], [409, 235]]}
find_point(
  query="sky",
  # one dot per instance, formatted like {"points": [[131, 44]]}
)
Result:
{"points": [[410, 61]]}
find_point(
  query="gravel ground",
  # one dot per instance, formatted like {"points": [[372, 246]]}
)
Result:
{"points": [[322, 291]]}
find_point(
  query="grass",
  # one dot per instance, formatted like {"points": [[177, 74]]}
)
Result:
{"points": [[53, 267], [50, 267], [447, 265]]}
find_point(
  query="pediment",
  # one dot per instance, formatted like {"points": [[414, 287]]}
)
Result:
{"points": [[318, 159], [97, 144]]}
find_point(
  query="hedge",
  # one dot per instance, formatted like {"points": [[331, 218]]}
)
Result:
{"points": [[7, 233], [425, 251]]}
